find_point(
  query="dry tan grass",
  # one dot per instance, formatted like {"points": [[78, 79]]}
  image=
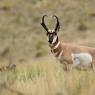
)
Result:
{"points": [[46, 78]]}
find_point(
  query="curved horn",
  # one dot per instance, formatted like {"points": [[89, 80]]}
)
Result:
{"points": [[43, 24], [57, 27]]}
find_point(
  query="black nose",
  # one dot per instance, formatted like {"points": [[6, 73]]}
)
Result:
{"points": [[50, 41]]}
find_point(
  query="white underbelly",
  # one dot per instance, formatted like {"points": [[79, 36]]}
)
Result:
{"points": [[81, 59]]}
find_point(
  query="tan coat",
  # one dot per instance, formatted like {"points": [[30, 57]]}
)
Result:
{"points": [[64, 52]]}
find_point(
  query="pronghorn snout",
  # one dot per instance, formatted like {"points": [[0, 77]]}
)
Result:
{"points": [[50, 38], [50, 41]]}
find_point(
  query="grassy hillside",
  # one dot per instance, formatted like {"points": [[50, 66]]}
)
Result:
{"points": [[23, 42], [21, 32]]}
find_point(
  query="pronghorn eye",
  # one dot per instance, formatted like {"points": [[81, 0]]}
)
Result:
{"points": [[55, 33]]}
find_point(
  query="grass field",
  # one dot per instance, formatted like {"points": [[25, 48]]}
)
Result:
{"points": [[23, 42], [46, 78]]}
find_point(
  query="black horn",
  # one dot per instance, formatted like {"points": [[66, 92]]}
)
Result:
{"points": [[43, 23], [57, 27]]}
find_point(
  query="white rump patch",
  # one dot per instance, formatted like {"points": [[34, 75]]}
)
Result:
{"points": [[84, 59]]}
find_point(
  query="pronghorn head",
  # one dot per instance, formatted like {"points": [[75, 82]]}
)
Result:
{"points": [[51, 34]]}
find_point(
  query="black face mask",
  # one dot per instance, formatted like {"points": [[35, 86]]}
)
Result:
{"points": [[50, 38]]}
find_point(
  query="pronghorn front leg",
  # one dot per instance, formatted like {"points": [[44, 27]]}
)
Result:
{"points": [[67, 66]]}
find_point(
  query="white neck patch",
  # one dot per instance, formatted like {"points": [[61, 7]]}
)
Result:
{"points": [[56, 45], [59, 57], [54, 40]]}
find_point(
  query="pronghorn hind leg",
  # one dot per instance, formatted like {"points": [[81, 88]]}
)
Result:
{"points": [[92, 66]]}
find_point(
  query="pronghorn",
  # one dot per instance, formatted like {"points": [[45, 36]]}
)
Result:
{"points": [[68, 54]]}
